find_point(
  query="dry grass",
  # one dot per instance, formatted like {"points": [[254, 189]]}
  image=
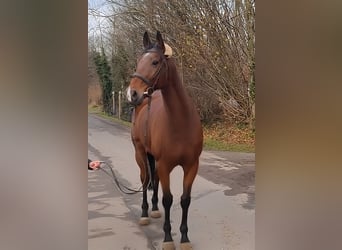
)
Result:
{"points": [[222, 136], [94, 94]]}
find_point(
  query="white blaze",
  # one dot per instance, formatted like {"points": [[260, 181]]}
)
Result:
{"points": [[129, 94]]}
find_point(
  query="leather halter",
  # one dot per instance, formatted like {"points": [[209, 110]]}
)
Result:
{"points": [[151, 83]]}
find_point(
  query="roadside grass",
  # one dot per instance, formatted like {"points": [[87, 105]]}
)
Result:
{"points": [[221, 137], [98, 111], [94, 109], [219, 145], [226, 137]]}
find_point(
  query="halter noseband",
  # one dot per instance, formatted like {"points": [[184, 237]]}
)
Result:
{"points": [[145, 80], [151, 83]]}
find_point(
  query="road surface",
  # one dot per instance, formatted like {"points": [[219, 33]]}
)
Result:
{"points": [[221, 214]]}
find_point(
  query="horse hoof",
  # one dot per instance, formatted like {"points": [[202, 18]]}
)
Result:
{"points": [[186, 246], [144, 221], [169, 245], [155, 214]]}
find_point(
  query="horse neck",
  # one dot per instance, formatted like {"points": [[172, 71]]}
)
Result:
{"points": [[175, 98]]}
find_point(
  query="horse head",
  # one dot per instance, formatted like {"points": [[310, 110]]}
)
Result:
{"points": [[152, 70]]}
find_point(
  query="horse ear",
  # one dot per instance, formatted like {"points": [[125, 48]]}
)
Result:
{"points": [[146, 40], [160, 42]]}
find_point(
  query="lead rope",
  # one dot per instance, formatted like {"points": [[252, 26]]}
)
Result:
{"points": [[120, 186]]}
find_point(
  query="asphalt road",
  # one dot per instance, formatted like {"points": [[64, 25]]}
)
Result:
{"points": [[221, 214]]}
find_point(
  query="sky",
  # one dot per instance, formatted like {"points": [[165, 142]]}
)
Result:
{"points": [[93, 22]]}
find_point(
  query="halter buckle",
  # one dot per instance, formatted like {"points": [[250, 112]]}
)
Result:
{"points": [[149, 91]]}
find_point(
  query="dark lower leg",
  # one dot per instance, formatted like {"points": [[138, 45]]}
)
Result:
{"points": [[155, 194], [144, 205], [167, 202], [140, 157], [185, 203]]}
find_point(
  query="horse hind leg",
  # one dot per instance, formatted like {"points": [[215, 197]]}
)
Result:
{"points": [[189, 177], [155, 213], [144, 220]]}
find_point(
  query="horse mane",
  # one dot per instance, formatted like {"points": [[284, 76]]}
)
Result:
{"points": [[173, 69]]}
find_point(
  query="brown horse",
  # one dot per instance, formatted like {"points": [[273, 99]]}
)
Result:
{"points": [[166, 130]]}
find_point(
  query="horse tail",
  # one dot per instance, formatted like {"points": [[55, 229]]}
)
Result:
{"points": [[151, 164]]}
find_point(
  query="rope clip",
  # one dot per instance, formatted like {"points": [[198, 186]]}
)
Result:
{"points": [[149, 91]]}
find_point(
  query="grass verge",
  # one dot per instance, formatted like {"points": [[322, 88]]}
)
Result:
{"points": [[98, 111], [225, 137], [219, 145]]}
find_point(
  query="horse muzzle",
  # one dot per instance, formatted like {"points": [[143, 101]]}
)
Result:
{"points": [[134, 97]]}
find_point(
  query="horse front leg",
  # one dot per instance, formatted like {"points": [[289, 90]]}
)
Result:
{"points": [[144, 178], [190, 173], [167, 203], [185, 203]]}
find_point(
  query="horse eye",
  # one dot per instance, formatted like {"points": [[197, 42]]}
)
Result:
{"points": [[155, 62]]}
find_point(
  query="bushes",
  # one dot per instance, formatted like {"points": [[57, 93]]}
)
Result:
{"points": [[104, 72], [213, 42]]}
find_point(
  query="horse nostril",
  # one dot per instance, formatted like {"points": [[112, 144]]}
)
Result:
{"points": [[134, 95]]}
